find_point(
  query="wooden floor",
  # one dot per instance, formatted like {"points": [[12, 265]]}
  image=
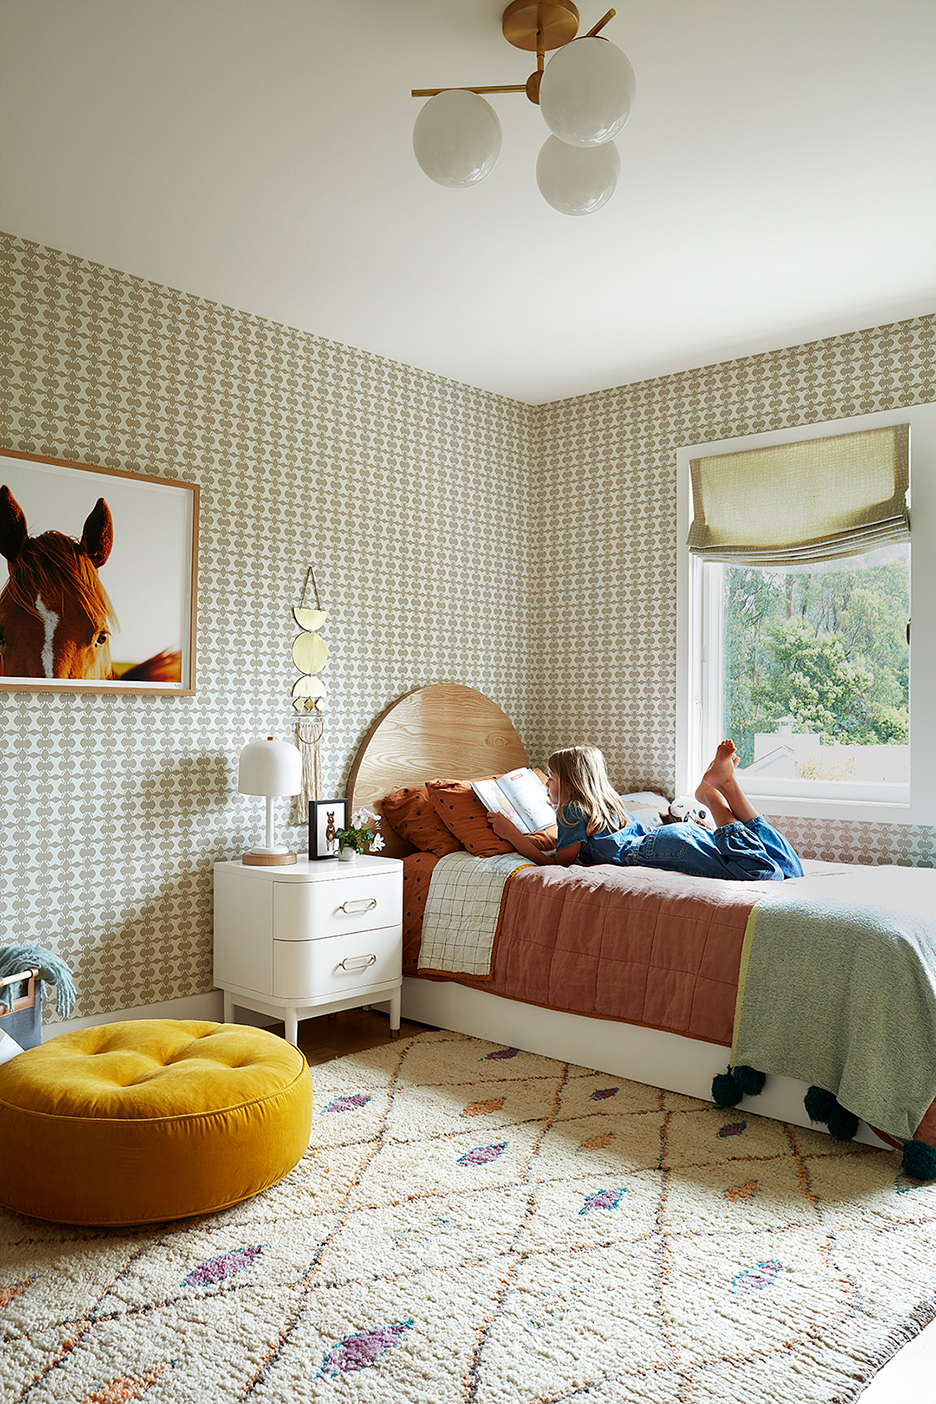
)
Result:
{"points": [[334, 1035]]}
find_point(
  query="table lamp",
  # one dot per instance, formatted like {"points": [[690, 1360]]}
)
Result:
{"points": [[269, 768]]}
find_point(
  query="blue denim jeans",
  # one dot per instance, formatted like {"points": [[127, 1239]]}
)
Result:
{"points": [[745, 852]]}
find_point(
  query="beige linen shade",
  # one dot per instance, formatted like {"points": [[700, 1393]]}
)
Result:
{"points": [[813, 500]]}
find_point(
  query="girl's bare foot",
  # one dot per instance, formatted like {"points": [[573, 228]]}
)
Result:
{"points": [[722, 768], [719, 788]]}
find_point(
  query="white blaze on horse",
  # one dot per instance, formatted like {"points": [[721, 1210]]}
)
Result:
{"points": [[55, 617]]}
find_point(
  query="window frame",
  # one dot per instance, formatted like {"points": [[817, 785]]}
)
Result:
{"points": [[697, 685]]}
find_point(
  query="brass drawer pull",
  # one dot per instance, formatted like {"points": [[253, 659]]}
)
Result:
{"points": [[349, 962], [359, 905]]}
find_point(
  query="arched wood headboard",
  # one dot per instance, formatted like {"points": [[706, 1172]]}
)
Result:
{"points": [[444, 731]]}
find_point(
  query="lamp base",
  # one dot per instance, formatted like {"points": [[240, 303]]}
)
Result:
{"points": [[265, 860]]}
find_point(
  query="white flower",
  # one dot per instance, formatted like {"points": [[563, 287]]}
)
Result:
{"points": [[377, 844]]}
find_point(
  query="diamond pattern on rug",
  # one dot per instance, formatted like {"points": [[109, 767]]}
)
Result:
{"points": [[472, 1223]]}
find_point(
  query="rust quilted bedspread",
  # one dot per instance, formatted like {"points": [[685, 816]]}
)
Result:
{"points": [[616, 943]]}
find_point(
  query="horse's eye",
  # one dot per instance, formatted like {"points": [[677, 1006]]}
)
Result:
{"points": [[102, 638]]}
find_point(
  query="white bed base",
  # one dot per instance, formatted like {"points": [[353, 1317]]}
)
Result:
{"points": [[651, 1056]]}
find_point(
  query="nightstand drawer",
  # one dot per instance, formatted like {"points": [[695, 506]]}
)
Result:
{"points": [[327, 969], [312, 911]]}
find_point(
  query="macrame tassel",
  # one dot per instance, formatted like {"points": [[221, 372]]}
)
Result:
{"points": [[309, 731]]}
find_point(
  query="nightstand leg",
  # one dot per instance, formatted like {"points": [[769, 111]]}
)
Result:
{"points": [[228, 1008], [292, 1026], [396, 1000]]}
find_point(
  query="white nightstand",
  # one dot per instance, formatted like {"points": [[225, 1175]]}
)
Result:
{"points": [[309, 939]]}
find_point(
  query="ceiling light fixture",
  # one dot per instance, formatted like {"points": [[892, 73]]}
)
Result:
{"points": [[585, 94]]}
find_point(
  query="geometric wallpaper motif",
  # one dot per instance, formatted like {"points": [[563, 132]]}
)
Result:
{"points": [[456, 535], [407, 493], [607, 485]]}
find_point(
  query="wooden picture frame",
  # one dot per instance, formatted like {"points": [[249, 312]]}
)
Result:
{"points": [[58, 518], [325, 817]]}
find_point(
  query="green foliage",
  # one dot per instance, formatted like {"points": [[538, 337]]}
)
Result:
{"points": [[827, 648]]}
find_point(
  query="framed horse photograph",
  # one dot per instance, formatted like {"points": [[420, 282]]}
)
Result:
{"points": [[98, 571], [326, 817]]}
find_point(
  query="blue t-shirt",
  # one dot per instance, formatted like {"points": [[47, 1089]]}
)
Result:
{"points": [[603, 846]]}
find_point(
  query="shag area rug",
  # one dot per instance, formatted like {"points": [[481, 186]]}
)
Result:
{"points": [[473, 1223]]}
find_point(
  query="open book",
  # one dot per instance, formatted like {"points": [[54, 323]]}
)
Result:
{"points": [[521, 795]]}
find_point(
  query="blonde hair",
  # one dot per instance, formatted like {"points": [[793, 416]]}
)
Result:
{"points": [[583, 784]]}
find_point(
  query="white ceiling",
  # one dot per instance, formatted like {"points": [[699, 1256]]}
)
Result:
{"points": [[778, 177]]}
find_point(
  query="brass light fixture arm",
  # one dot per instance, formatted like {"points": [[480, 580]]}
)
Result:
{"points": [[498, 88], [525, 26], [597, 28]]}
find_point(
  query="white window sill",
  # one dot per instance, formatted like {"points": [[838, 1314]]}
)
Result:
{"points": [[848, 811]]}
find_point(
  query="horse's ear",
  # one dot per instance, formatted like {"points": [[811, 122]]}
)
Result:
{"points": [[12, 525], [98, 535]]}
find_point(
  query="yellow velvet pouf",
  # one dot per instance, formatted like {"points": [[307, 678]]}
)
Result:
{"points": [[151, 1119]]}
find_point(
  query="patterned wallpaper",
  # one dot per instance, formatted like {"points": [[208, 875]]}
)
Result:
{"points": [[410, 495], [607, 465], [455, 536]]}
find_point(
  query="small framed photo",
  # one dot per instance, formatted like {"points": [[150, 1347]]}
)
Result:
{"points": [[326, 817]]}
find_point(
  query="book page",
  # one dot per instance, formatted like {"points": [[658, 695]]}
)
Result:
{"points": [[496, 802], [527, 793]]}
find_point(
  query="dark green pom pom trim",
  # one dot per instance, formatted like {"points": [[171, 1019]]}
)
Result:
{"points": [[842, 1124], [919, 1160], [819, 1104], [750, 1081], [724, 1091]]}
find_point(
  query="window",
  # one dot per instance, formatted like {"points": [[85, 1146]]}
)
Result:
{"points": [[801, 653]]}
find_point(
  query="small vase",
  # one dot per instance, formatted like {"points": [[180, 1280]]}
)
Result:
{"points": [[347, 855]]}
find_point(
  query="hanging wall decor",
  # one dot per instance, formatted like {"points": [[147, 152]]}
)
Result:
{"points": [[310, 654]]}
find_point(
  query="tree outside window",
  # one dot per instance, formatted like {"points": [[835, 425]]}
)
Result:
{"points": [[820, 651]]}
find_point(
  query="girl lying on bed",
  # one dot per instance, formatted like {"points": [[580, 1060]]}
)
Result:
{"points": [[595, 827]]}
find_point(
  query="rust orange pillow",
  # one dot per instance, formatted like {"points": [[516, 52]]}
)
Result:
{"points": [[463, 814], [458, 807], [409, 812]]}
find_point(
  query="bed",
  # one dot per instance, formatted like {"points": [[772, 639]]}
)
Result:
{"points": [[630, 971]]}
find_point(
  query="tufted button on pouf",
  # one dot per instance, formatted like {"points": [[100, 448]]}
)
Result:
{"points": [[151, 1119]]}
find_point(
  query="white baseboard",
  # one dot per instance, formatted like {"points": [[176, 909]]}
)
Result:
{"points": [[208, 1006]]}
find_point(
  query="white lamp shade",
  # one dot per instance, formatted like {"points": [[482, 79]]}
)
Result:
{"points": [[269, 768], [457, 138], [587, 92], [577, 180]]}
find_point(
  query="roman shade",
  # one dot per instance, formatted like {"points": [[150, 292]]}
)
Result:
{"points": [[812, 500]]}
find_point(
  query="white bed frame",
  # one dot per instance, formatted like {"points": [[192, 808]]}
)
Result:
{"points": [[453, 731], [659, 1059]]}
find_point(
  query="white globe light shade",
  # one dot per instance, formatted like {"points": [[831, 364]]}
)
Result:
{"points": [[457, 138], [577, 180], [587, 92]]}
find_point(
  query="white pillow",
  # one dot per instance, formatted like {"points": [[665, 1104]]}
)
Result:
{"points": [[648, 807]]}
